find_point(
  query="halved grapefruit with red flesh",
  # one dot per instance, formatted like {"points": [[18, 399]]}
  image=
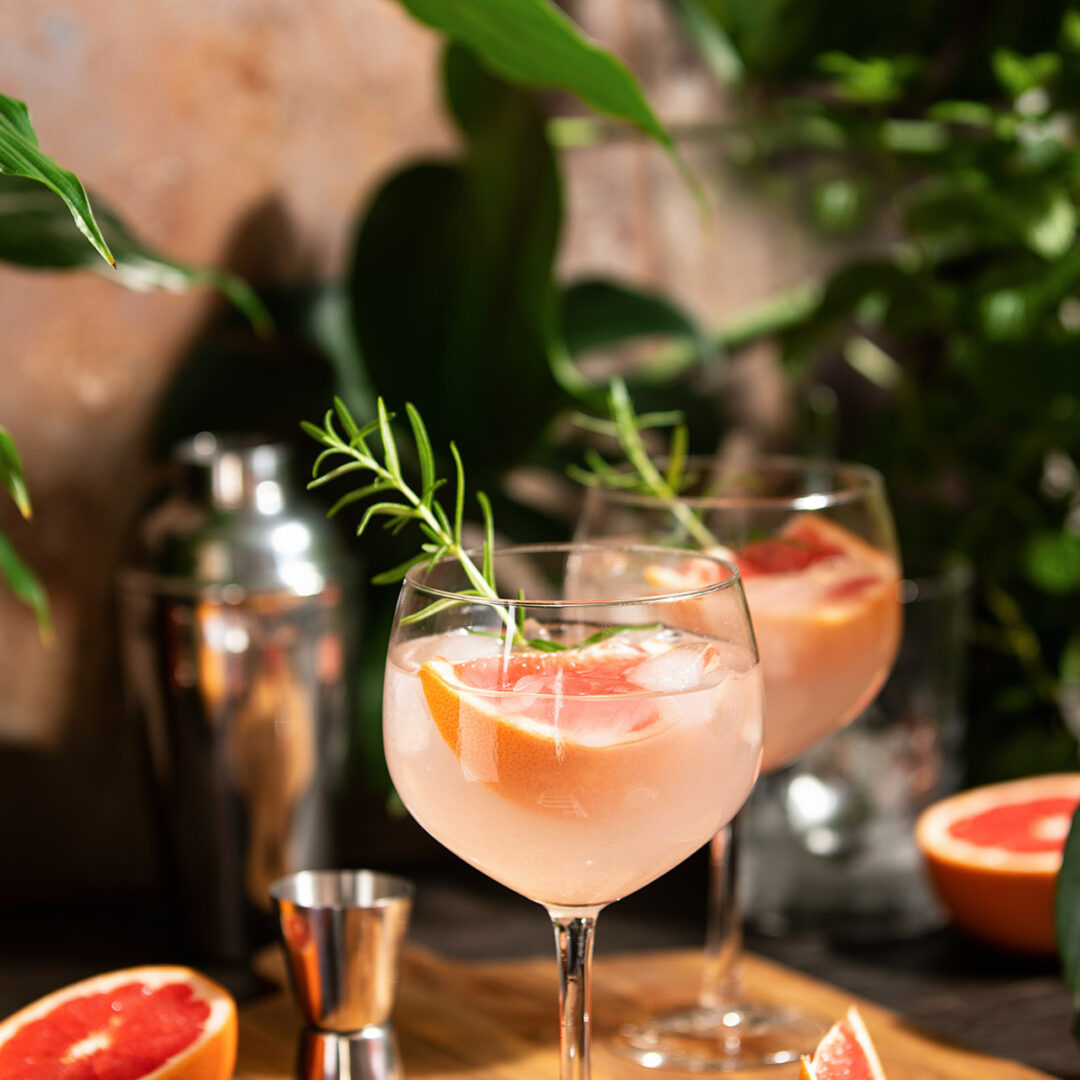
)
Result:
{"points": [[845, 1053], [147, 1023], [561, 732], [993, 854]]}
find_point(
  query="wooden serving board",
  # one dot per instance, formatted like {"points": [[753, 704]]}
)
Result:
{"points": [[498, 1021]]}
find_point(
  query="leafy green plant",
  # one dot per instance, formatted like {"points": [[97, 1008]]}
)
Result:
{"points": [[39, 230], [954, 348]]}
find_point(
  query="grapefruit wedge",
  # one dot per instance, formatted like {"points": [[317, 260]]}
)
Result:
{"points": [[144, 1023], [993, 854], [562, 732], [845, 1053]]}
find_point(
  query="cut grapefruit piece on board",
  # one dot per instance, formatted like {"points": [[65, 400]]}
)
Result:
{"points": [[144, 1023], [562, 732], [993, 854], [845, 1053]]}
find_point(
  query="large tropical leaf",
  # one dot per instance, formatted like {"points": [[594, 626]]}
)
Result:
{"points": [[21, 156], [36, 231], [453, 299], [531, 42]]}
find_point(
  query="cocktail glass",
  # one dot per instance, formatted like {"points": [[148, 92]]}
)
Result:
{"points": [[577, 744], [816, 548]]}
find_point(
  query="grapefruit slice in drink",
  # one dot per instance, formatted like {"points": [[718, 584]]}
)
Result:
{"points": [[845, 1053], [993, 854], [826, 611], [145, 1023], [566, 733]]}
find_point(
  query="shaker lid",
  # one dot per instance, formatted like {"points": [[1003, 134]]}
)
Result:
{"points": [[233, 516]]}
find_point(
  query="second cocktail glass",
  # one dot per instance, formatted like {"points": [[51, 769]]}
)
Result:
{"points": [[815, 545], [579, 743]]}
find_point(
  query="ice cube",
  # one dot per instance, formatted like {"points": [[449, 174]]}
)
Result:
{"points": [[673, 671], [411, 729], [459, 646]]}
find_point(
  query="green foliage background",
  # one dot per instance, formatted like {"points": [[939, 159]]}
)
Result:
{"points": [[955, 348]]}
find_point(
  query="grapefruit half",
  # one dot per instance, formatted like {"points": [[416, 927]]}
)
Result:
{"points": [[144, 1023], [845, 1053], [993, 854]]}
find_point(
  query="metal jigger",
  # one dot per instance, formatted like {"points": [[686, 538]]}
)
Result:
{"points": [[342, 931]]}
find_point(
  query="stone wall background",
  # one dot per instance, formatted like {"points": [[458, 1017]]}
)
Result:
{"points": [[189, 118]]}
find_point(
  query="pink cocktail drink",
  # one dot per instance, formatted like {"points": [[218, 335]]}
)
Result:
{"points": [[573, 777], [815, 548], [826, 612]]}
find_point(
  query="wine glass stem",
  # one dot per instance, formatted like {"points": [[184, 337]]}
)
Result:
{"points": [[574, 931], [721, 984]]}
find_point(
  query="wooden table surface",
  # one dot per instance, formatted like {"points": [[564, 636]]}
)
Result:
{"points": [[1011, 1008], [497, 1021]]}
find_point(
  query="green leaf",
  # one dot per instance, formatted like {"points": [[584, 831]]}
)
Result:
{"points": [[1051, 230], [1018, 74], [976, 113], [348, 424], [388, 577], [452, 286], [611, 631], [20, 156], [531, 42], [36, 232], [11, 473], [24, 583], [597, 313], [392, 510], [459, 492], [1069, 664], [432, 609], [488, 569], [676, 457], [712, 41], [387, 435], [358, 494], [544, 645], [875, 81], [1070, 29], [600, 317], [423, 452], [1067, 916], [1052, 562], [839, 203]]}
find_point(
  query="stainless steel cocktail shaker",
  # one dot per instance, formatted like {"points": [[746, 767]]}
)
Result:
{"points": [[238, 622]]}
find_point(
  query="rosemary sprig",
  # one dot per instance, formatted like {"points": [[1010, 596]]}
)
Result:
{"points": [[625, 425], [443, 536]]}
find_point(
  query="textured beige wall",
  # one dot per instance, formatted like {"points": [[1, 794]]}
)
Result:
{"points": [[187, 117]]}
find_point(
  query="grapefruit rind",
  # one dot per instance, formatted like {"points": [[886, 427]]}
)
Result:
{"points": [[1003, 898], [211, 1056]]}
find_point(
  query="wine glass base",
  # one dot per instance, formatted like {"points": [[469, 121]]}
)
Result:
{"points": [[746, 1036]]}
